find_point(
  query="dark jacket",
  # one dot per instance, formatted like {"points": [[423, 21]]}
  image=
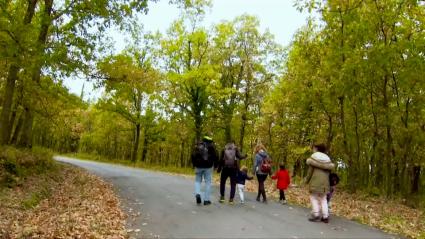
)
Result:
{"points": [[197, 159], [239, 156], [241, 177]]}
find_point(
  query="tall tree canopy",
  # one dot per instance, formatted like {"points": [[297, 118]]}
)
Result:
{"points": [[352, 80]]}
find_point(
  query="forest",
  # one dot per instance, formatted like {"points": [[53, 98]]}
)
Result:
{"points": [[352, 78]]}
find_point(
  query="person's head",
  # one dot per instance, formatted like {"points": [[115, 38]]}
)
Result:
{"points": [[282, 166], [207, 138], [319, 148], [244, 169], [259, 147], [230, 143]]}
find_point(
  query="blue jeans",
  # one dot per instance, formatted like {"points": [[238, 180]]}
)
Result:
{"points": [[205, 173]]}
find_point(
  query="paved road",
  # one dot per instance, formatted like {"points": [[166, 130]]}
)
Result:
{"points": [[167, 210]]}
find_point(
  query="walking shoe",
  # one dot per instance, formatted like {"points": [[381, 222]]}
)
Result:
{"points": [[207, 203], [258, 199], [231, 202], [221, 199], [325, 220], [284, 202], [314, 219], [198, 199], [242, 202]]}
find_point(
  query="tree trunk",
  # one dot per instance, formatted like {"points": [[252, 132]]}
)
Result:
{"points": [[136, 143], [389, 140], [41, 41], [198, 125], [145, 147], [12, 77], [330, 136], [356, 164], [351, 173], [9, 90], [26, 136], [416, 175], [244, 118], [228, 128], [242, 131], [182, 148], [18, 128]]}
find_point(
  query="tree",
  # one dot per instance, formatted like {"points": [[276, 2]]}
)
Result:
{"points": [[352, 83], [189, 71], [131, 82], [64, 43]]}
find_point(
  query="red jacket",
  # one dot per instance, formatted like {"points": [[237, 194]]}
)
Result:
{"points": [[283, 179]]}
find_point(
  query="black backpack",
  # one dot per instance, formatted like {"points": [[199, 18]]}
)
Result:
{"points": [[202, 151]]}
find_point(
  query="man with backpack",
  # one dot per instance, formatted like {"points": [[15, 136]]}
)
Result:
{"points": [[204, 158], [229, 167]]}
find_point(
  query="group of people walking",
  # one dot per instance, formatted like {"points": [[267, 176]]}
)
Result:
{"points": [[319, 178]]}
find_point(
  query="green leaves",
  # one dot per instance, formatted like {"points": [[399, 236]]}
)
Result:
{"points": [[351, 84]]}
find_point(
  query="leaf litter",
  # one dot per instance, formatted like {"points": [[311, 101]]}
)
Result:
{"points": [[79, 205], [388, 215]]}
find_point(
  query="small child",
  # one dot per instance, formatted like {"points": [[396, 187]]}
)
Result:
{"points": [[240, 182], [333, 181], [283, 181]]}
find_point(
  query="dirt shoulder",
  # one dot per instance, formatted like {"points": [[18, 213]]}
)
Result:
{"points": [[67, 202]]}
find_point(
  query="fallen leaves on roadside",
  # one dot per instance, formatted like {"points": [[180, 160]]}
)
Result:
{"points": [[80, 205], [389, 215]]}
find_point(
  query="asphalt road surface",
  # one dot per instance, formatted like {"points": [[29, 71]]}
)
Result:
{"points": [[162, 205]]}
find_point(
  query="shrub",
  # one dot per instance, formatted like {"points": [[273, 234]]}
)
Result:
{"points": [[17, 164]]}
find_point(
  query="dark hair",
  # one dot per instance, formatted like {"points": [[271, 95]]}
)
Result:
{"points": [[320, 147], [282, 166]]}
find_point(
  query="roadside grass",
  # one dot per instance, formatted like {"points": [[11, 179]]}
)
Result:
{"points": [[40, 198]]}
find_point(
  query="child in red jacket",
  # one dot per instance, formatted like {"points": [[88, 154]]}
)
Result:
{"points": [[283, 181]]}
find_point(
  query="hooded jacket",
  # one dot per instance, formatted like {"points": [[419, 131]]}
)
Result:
{"points": [[317, 177]]}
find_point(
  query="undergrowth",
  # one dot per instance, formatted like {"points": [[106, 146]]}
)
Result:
{"points": [[18, 164]]}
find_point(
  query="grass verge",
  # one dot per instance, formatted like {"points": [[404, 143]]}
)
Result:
{"points": [[154, 167]]}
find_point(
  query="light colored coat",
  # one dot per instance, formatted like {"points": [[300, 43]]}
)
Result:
{"points": [[317, 177]]}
